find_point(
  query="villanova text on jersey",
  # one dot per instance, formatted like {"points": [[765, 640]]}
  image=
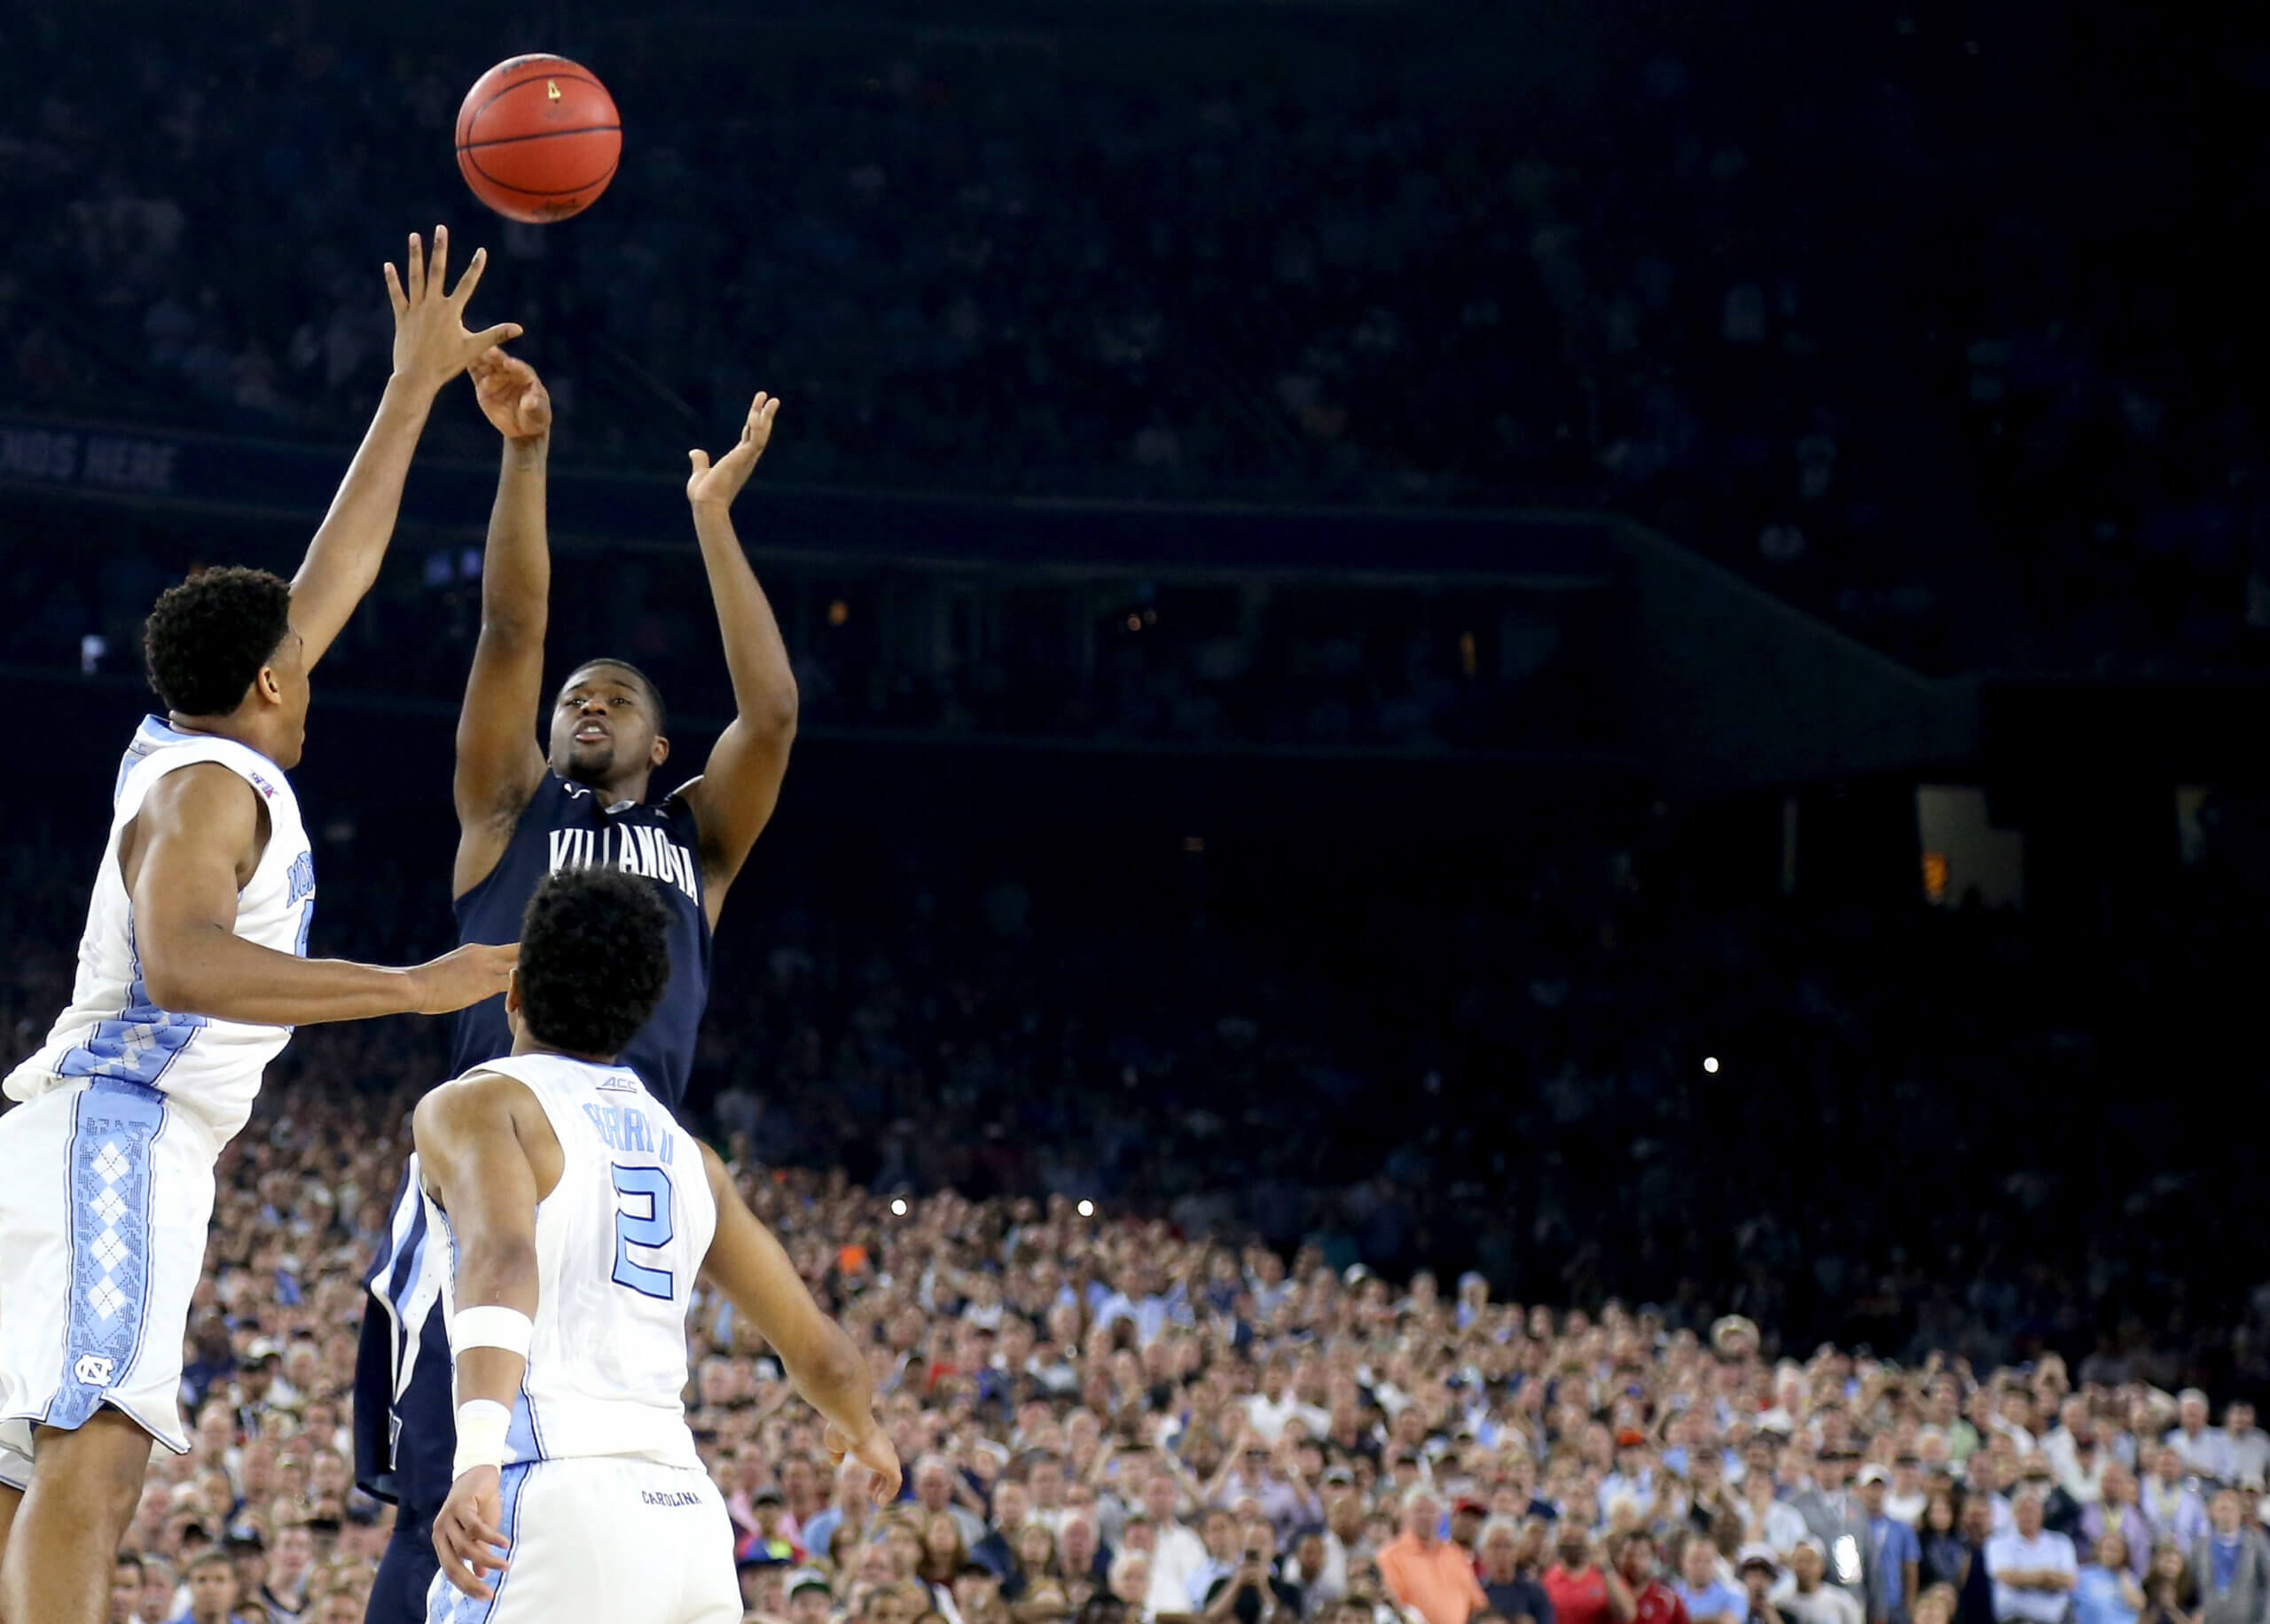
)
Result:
{"points": [[633, 847], [564, 826]]}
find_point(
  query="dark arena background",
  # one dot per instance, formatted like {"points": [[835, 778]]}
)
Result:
{"points": [[1530, 759]]}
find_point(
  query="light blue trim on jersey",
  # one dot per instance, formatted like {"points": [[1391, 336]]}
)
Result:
{"points": [[445, 1603], [523, 1438], [113, 1124], [523, 1444], [141, 1042]]}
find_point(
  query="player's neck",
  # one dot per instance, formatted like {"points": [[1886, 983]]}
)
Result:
{"points": [[525, 1045], [234, 728], [615, 792]]}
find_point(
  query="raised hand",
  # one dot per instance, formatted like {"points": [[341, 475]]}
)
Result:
{"points": [[716, 487], [512, 396], [431, 345]]}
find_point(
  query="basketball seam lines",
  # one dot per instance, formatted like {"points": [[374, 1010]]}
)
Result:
{"points": [[466, 121], [541, 135], [567, 192]]}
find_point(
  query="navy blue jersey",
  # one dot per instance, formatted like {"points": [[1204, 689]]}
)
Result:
{"points": [[564, 827], [405, 1423]]}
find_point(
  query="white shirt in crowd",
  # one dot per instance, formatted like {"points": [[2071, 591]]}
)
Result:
{"points": [[2045, 1552], [1180, 1554], [1827, 1604]]}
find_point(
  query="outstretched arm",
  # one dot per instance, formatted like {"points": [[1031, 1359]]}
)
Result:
{"points": [[191, 847], [734, 799], [500, 763], [823, 1363], [430, 347], [474, 1142]]}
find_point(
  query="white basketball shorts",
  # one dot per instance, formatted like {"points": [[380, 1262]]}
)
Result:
{"points": [[104, 1203], [605, 1539]]}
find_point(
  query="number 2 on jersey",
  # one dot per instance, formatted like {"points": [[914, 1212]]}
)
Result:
{"points": [[651, 1228]]}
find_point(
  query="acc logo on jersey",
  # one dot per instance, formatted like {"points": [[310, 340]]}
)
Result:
{"points": [[94, 1369]]}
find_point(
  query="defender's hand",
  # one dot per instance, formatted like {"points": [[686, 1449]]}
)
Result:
{"points": [[717, 487], [512, 396], [431, 345], [471, 972], [466, 1534]]}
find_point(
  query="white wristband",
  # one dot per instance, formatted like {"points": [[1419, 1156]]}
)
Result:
{"points": [[481, 1426], [492, 1326]]}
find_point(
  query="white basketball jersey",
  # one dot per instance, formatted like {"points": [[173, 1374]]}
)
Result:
{"points": [[618, 1243], [209, 1066]]}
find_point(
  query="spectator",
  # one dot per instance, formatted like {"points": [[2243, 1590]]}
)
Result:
{"points": [[1251, 1592], [157, 1605], [1895, 1555], [1641, 1567], [2170, 1593], [1423, 1573], [284, 1589], [1131, 1581], [2204, 1451], [1036, 1591], [1759, 1575], [1768, 1521], [2247, 1447], [2106, 1591], [125, 1586], [2171, 1507], [2117, 1511], [1307, 1569], [1806, 1598], [934, 1491], [1511, 1590], [944, 1553], [1178, 1555], [1084, 1558], [1834, 1515], [1707, 1597], [2231, 1564], [2033, 1570], [213, 1590], [769, 1540], [1582, 1592]]}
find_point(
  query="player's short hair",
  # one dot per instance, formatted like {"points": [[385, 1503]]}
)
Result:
{"points": [[654, 693], [207, 637], [595, 956]]}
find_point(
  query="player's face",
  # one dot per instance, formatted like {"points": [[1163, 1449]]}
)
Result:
{"points": [[603, 728]]}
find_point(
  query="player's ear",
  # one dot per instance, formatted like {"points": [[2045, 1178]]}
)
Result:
{"points": [[269, 686], [513, 991], [658, 752]]}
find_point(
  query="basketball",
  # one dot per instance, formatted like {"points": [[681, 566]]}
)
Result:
{"points": [[538, 138]]}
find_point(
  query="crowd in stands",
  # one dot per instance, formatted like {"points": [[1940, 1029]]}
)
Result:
{"points": [[1838, 306], [1111, 1420]]}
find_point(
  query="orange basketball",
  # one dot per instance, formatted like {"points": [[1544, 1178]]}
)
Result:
{"points": [[538, 138]]}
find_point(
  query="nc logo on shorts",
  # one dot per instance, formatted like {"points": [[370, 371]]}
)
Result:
{"points": [[94, 1369]]}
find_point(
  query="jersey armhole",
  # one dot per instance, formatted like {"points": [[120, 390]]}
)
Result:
{"points": [[552, 785], [263, 839]]}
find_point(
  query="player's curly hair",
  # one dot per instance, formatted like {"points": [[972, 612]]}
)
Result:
{"points": [[654, 693], [207, 638], [595, 956]]}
